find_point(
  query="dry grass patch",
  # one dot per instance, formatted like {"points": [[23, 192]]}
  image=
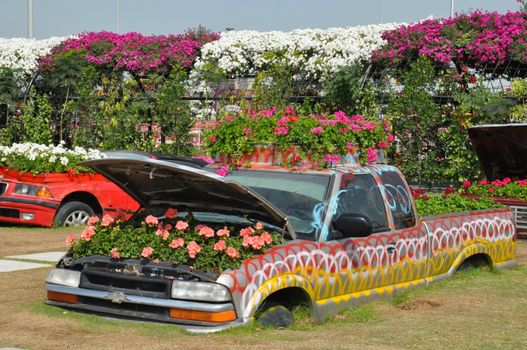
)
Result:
{"points": [[475, 310]]}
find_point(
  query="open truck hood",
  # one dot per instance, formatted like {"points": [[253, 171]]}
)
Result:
{"points": [[501, 149], [153, 182]]}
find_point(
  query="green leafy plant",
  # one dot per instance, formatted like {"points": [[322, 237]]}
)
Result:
{"points": [[350, 91], [497, 188], [173, 239], [437, 204]]}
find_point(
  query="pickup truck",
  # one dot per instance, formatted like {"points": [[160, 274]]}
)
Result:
{"points": [[351, 234]]}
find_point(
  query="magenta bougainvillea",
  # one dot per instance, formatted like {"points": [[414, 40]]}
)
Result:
{"points": [[477, 38], [132, 52]]}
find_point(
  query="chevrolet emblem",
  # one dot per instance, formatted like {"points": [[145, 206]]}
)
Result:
{"points": [[117, 297]]}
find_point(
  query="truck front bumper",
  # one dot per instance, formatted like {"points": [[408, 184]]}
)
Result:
{"points": [[121, 305]]}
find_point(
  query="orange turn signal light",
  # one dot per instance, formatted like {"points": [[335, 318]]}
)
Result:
{"points": [[206, 316], [63, 297], [43, 191]]}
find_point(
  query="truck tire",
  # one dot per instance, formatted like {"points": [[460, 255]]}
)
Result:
{"points": [[276, 316], [73, 214]]}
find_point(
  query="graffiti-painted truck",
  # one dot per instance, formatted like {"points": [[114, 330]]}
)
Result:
{"points": [[351, 233]]}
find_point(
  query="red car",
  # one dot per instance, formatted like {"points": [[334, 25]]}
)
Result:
{"points": [[69, 199], [59, 199]]}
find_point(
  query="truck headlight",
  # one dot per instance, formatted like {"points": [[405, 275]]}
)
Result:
{"points": [[64, 277], [203, 291]]}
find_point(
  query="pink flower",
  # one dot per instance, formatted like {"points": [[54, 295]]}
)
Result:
{"points": [[220, 245], [170, 213], [88, 233], [284, 130], [383, 144], [223, 171], [350, 146], [317, 131], [181, 225], [147, 252], [206, 232], [522, 182], [93, 220], [193, 249], [247, 241], [232, 253], [483, 182], [151, 220], [372, 155], [391, 138], [213, 139], [163, 233], [330, 158], [259, 226], [257, 242], [229, 118], [114, 253], [245, 232], [491, 190], [223, 232], [70, 239], [467, 183], [267, 238], [107, 220], [355, 127], [176, 243]]}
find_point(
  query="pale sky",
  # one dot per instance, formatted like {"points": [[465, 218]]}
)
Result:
{"points": [[65, 17]]}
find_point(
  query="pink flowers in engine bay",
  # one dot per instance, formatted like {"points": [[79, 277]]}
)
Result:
{"points": [[190, 245], [193, 249], [107, 220], [181, 225], [147, 252], [88, 233], [151, 220], [206, 231], [114, 253], [69, 239]]}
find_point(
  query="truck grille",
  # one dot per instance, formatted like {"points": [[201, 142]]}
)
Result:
{"points": [[127, 309], [154, 287]]}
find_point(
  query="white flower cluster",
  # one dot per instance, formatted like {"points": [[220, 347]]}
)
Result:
{"points": [[53, 154], [311, 52], [22, 54]]}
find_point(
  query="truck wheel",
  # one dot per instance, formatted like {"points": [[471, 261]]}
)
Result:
{"points": [[73, 214], [276, 316]]}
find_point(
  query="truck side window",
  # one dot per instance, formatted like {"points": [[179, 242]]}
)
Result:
{"points": [[360, 194], [399, 199]]}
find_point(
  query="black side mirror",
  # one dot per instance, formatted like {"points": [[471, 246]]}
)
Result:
{"points": [[353, 225]]}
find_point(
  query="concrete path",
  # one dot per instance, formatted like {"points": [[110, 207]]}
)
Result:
{"points": [[13, 263], [52, 257]]}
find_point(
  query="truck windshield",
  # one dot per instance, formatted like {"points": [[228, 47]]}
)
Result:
{"points": [[296, 194]]}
